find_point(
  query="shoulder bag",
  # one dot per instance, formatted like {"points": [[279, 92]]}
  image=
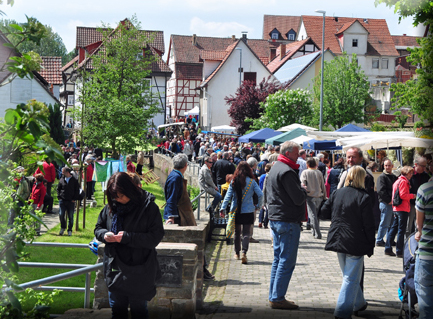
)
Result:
{"points": [[230, 229], [396, 199]]}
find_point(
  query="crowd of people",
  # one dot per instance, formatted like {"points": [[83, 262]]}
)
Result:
{"points": [[289, 189], [295, 189]]}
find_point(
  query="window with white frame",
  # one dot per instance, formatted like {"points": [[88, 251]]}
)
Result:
{"points": [[70, 100], [292, 37], [355, 43], [274, 35], [384, 63], [375, 64]]}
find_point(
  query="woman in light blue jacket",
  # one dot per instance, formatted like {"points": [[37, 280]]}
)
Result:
{"points": [[243, 187]]}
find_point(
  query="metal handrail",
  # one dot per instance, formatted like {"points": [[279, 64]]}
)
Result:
{"points": [[197, 198], [79, 269]]}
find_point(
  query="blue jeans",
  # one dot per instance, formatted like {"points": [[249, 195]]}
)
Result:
{"points": [[386, 215], [286, 242], [398, 227], [66, 207], [351, 297], [424, 287], [216, 199], [119, 306]]}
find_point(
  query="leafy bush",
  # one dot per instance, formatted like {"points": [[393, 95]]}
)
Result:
{"points": [[376, 127], [193, 193]]}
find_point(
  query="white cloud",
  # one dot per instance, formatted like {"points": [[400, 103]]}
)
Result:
{"points": [[217, 29]]}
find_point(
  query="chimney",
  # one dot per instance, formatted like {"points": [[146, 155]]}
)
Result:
{"points": [[244, 36], [234, 38], [404, 34], [272, 54], [282, 51], [81, 55], [194, 39]]}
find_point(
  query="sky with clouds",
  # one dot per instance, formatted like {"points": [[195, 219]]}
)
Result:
{"points": [[219, 18]]}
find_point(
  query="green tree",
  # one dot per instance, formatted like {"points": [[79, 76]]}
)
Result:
{"points": [[55, 118], [115, 95], [50, 45], [416, 93], [346, 93], [283, 108], [23, 65]]}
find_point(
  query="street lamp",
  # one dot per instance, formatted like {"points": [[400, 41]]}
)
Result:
{"points": [[323, 60]]}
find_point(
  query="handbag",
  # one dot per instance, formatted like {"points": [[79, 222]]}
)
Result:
{"points": [[230, 228], [396, 199]]}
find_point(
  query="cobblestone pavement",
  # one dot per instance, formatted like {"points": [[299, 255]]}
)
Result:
{"points": [[241, 291]]}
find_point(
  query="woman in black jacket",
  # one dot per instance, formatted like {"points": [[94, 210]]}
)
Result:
{"points": [[351, 235], [334, 175], [131, 227]]}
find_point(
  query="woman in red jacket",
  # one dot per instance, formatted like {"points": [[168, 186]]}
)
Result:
{"points": [[401, 212], [89, 178], [38, 195], [50, 173]]}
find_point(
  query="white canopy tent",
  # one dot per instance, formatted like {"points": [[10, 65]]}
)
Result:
{"points": [[293, 126], [301, 139], [385, 142], [223, 128], [193, 111], [170, 124], [323, 135]]}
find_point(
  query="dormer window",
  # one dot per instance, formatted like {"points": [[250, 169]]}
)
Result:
{"points": [[355, 43], [275, 34], [291, 35]]}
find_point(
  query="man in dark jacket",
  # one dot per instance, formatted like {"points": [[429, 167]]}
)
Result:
{"points": [[286, 203], [384, 192], [68, 191], [221, 169]]}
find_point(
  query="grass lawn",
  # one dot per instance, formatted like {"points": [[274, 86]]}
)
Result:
{"points": [[70, 300]]}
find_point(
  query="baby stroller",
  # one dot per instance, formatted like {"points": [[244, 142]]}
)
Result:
{"points": [[406, 289], [217, 221]]}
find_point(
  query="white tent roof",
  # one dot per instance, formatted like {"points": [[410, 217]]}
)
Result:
{"points": [[225, 128], [301, 139], [171, 124], [385, 142], [324, 135], [194, 111], [296, 125]]}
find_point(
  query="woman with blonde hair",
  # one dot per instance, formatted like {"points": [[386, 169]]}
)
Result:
{"points": [[351, 235], [140, 163]]}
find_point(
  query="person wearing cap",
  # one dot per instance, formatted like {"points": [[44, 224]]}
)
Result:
{"points": [[49, 173]]}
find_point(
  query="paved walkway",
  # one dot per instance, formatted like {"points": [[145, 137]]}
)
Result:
{"points": [[241, 291]]}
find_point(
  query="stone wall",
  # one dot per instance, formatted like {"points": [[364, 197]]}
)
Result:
{"points": [[165, 164], [194, 235], [169, 302]]}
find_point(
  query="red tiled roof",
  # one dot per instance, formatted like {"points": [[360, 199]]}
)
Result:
{"points": [[158, 65], [291, 49], [67, 65], [405, 41], [379, 39], [347, 26], [212, 55], [186, 52], [282, 23], [89, 35], [50, 69], [230, 50]]}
